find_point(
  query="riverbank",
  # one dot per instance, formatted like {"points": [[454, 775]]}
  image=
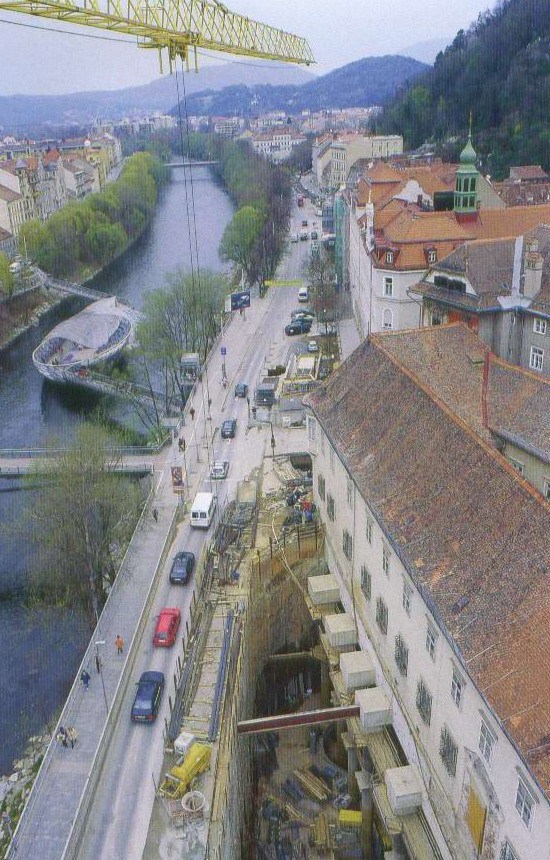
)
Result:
{"points": [[20, 312], [16, 787]]}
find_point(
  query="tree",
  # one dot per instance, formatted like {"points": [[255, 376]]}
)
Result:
{"points": [[184, 316], [325, 299], [82, 516], [239, 239], [7, 282]]}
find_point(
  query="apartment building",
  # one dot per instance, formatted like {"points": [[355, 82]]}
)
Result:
{"points": [[334, 155], [439, 549], [397, 232], [277, 143], [501, 289]]}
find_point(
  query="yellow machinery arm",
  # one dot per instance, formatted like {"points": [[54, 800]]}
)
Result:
{"points": [[176, 25]]}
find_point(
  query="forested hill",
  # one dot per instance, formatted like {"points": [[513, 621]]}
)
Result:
{"points": [[499, 69], [366, 82]]}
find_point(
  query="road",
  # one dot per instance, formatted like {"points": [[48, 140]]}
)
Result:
{"points": [[120, 814]]}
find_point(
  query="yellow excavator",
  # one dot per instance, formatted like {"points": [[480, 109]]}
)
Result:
{"points": [[177, 782]]}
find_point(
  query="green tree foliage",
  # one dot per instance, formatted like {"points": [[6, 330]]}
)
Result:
{"points": [[240, 239], [183, 316], [7, 281], [321, 276], [87, 234], [500, 70], [81, 521]]}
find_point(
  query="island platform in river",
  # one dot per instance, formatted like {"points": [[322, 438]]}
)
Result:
{"points": [[95, 334]]}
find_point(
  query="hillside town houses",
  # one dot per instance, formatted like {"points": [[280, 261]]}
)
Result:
{"points": [[37, 179]]}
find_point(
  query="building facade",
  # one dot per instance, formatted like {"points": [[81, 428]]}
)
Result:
{"points": [[440, 598]]}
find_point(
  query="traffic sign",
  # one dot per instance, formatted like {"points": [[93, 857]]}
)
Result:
{"points": [[223, 350]]}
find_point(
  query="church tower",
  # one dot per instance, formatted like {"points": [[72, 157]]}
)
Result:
{"points": [[466, 183]]}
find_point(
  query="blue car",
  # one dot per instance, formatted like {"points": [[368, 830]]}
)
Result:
{"points": [[148, 696]]}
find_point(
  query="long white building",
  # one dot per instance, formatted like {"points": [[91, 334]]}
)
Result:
{"points": [[440, 552]]}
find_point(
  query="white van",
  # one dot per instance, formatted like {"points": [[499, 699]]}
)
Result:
{"points": [[202, 510], [303, 294]]}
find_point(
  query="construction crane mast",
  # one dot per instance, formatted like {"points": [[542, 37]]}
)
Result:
{"points": [[175, 25]]}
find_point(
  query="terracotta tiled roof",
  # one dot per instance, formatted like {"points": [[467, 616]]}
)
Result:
{"points": [[471, 531], [383, 172], [528, 171], [512, 221]]}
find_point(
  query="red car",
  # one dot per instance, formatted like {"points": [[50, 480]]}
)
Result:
{"points": [[167, 627]]}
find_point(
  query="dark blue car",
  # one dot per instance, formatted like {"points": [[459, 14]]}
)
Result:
{"points": [[148, 696]]}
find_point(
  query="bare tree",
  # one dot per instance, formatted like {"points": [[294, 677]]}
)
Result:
{"points": [[80, 520]]}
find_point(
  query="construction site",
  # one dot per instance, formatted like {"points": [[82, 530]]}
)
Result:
{"points": [[278, 744]]}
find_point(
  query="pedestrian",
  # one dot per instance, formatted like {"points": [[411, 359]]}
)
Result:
{"points": [[180, 444], [192, 413], [119, 644], [85, 678], [98, 663], [71, 735], [62, 736], [155, 515]]}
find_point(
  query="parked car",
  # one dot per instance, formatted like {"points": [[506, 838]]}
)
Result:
{"points": [[294, 237], [229, 428], [182, 567], [314, 234], [313, 346], [167, 627], [241, 389], [302, 313], [304, 235], [298, 327], [219, 470], [147, 698]]}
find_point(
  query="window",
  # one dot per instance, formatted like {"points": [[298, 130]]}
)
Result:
{"points": [[389, 257], [332, 458], [507, 852], [424, 701], [539, 326], [322, 435], [387, 319], [546, 490], [432, 256], [366, 582], [486, 742], [519, 467], [321, 486], [448, 751], [331, 508], [401, 654], [431, 639], [524, 803], [386, 560], [368, 529], [349, 488], [388, 287], [407, 594], [382, 615], [536, 359], [457, 688], [311, 429], [347, 544]]}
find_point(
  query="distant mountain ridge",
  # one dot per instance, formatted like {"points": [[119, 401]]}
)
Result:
{"points": [[366, 82], [19, 111]]}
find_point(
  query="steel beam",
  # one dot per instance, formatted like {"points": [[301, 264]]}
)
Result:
{"points": [[301, 718]]}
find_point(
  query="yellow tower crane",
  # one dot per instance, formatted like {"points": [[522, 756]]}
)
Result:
{"points": [[176, 25]]}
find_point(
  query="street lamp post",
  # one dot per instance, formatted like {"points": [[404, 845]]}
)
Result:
{"points": [[100, 670], [272, 442]]}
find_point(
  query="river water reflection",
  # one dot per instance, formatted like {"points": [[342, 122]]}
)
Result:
{"points": [[41, 651]]}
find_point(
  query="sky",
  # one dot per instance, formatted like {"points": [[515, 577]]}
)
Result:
{"points": [[36, 59]]}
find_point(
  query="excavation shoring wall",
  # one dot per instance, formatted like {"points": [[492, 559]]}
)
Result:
{"points": [[274, 618]]}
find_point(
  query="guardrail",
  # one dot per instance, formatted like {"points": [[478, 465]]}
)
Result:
{"points": [[127, 451]]}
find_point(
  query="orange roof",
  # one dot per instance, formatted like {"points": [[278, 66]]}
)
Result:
{"points": [[382, 172], [512, 221]]}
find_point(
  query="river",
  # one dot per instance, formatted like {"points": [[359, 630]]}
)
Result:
{"points": [[41, 650]]}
